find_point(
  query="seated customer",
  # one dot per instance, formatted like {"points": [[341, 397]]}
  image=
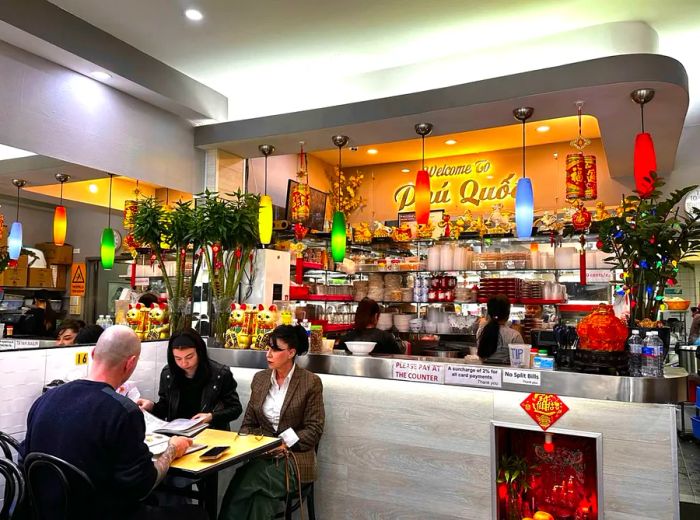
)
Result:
{"points": [[67, 332], [366, 319], [285, 401], [87, 424], [494, 336], [193, 386]]}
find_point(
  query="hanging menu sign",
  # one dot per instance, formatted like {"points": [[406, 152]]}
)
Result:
{"points": [[418, 371], [467, 375]]}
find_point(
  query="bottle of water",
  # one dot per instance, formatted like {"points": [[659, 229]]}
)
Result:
{"points": [[101, 321], [108, 322], [653, 355], [635, 346]]}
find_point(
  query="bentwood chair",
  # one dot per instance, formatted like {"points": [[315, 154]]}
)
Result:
{"points": [[13, 496], [294, 502], [57, 489], [7, 445]]}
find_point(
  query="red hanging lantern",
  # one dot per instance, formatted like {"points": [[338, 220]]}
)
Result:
{"points": [[644, 154], [644, 164], [422, 188], [575, 176]]}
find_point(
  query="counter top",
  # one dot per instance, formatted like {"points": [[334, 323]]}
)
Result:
{"points": [[672, 388]]}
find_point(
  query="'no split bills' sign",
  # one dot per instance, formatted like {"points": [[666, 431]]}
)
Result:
{"points": [[473, 376], [418, 371]]}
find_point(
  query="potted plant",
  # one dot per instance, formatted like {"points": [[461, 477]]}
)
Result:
{"points": [[514, 473], [226, 231], [648, 239]]}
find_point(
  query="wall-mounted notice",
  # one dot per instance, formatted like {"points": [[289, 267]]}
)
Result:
{"points": [[473, 376], [522, 377], [418, 371]]}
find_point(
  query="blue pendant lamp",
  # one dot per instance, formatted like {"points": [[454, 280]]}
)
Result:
{"points": [[338, 236], [107, 241], [14, 241], [524, 196], [265, 215]]}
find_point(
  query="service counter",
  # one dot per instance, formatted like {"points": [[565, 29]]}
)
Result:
{"points": [[405, 449]]}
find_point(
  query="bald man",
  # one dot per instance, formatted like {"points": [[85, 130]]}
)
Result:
{"points": [[86, 423]]}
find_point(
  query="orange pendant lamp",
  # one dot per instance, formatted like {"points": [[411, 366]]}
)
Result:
{"points": [[338, 232], [265, 215], [644, 154], [60, 219], [422, 188]]}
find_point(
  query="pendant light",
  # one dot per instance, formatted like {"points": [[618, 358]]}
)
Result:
{"points": [[60, 220], [422, 188], [644, 154], [524, 197], [14, 241], [107, 242], [338, 234], [265, 216]]}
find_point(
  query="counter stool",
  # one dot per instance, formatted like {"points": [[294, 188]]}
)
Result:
{"points": [[13, 497], [75, 491]]}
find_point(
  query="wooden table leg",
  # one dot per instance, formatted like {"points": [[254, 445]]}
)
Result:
{"points": [[210, 494]]}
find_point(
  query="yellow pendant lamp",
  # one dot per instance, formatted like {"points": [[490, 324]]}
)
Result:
{"points": [[265, 216], [107, 241], [60, 219], [338, 234]]}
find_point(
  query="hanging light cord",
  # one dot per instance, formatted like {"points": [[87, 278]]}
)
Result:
{"points": [[265, 174], [17, 219], [109, 211], [641, 107], [61, 194], [579, 121], [523, 148], [340, 167], [422, 140]]}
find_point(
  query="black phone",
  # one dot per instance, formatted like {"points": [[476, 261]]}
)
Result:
{"points": [[213, 453]]}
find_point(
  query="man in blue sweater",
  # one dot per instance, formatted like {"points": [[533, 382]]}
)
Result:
{"points": [[86, 423]]}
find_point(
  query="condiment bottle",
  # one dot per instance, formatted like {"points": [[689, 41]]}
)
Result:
{"points": [[533, 353]]}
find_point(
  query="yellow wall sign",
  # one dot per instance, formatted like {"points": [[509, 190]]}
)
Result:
{"points": [[77, 279], [81, 358]]}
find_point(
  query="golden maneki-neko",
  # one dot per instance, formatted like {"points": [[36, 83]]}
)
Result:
{"points": [[250, 326]]}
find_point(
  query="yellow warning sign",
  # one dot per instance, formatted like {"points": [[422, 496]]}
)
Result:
{"points": [[77, 279]]}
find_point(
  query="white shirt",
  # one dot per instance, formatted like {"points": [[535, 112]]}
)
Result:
{"points": [[272, 406]]}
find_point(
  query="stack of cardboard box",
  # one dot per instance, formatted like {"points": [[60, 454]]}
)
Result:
{"points": [[58, 260]]}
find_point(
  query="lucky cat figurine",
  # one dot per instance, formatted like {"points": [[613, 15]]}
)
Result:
{"points": [[159, 318]]}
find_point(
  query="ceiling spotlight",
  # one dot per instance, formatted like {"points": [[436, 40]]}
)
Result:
{"points": [[450, 142], [542, 129], [373, 151], [100, 75], [194, 14], [405, 170], [92, 188]]}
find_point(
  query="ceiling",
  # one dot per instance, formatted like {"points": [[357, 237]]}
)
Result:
{"points": [[272, 57], [488, 139]]}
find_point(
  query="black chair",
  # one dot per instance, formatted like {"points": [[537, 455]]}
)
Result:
{"points": [[7, 444], [294, 502], [13, 497], [57, 489]]}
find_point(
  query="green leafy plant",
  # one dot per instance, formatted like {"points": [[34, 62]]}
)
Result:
{"points": [[648, 240], [515, 473]]}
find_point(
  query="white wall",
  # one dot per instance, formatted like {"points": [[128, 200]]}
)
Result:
{"points": [[53, 111]]}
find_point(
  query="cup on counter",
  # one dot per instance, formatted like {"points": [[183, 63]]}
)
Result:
{"points": [[519, 355]]}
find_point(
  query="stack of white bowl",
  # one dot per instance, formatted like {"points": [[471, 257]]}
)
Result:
{"points": [[376, 286], [403, 322], [386, 321]]}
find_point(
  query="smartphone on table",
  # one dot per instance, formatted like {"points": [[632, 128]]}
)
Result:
{"points": [[214, 453]]}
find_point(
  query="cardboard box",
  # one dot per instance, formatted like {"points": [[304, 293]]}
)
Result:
{"points": [[14, 277], [60, 275], [23, 262], [62, 255], [40, 277]]}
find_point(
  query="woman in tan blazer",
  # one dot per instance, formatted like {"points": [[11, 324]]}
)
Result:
{"points": [[285, 401]]}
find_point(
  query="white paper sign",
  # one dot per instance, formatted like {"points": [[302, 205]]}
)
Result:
{"points": [[473, 376], [7, 344], [419, 371], [603, 276], [522, 377], [27, 343]]}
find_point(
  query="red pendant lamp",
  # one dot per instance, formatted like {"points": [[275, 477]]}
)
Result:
{"points": [[644, 154], [60, 219], [422, 189]]}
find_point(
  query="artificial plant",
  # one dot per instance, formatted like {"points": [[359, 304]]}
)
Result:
{"points": [[648, 238], [226, 230], [514, 473]]}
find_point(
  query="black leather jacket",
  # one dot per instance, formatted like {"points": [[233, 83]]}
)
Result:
{"points": [[219, 397]]}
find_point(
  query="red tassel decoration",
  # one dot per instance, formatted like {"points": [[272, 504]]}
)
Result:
{"points": [[644, 164]]}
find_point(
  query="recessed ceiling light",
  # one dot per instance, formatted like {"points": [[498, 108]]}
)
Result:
{"points": [[543, 129], [92, 188], [100, 75], [373, 151], [450, 142], [194, 14], [405, 170]]}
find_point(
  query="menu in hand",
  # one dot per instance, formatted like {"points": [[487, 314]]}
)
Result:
{"points": [[184, 427]]}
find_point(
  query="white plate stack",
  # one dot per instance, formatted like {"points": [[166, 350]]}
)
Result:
{"points": [[385, 321], [403, 322]]}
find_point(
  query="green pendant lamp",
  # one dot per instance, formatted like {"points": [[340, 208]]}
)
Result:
{"points": [[265, 216], [107, 242], [338, 236]]}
